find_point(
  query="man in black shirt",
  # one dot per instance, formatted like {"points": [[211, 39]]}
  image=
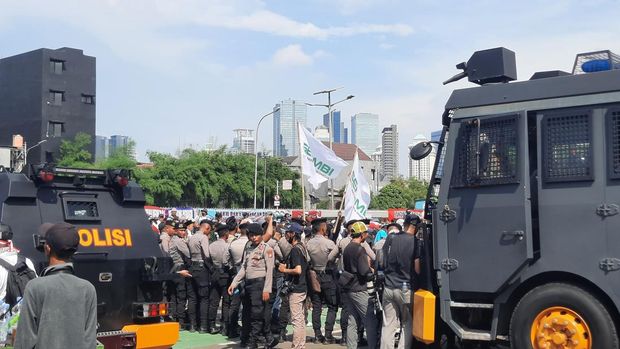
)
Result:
{"points": [[356, 275], [401, 263], [295, 271]]}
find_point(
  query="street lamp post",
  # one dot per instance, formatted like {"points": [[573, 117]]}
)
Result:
{"points": [[329, 106], [256, 152]]}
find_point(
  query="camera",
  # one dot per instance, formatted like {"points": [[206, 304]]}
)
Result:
{"points": [[39, 242], [6, 233], [287, 287]]}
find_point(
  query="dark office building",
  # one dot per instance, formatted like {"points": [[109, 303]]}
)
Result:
{"points": [[47, 95], [337, 126]]}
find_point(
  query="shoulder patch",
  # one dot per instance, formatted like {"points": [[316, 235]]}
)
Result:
{"points": [[270, 253]]}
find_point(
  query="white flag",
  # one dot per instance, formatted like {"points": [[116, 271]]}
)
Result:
{"points": [[357, 195], [319, 162]]}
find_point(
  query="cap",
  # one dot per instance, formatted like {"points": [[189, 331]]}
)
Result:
{"points": [[231, 223], [169, 221], [358, 228], [188, 223], [318, 221], [254, 229], [221, 226], [178, 225], [207, 221], [61, 237], [412, 219], [347, 224], [298, 220], [398, 226], [294, 228]]}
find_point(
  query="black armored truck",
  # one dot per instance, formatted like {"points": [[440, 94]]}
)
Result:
{"points": [[118, 253], [523, 237]]}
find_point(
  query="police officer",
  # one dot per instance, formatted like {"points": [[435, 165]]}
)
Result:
{"points": [[234, 255], [181, 257], [199, 251], [401, 263], [354, 281], [271, 320], [319, 249], [167, 231], [257, 272], [220, 279]]}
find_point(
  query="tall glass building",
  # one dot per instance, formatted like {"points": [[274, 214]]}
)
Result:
{"points": [[337, 128], [285, 142], [365, 131]]}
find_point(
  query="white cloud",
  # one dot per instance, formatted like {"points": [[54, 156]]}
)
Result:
{"points": [[292, 55], [386, 46]]}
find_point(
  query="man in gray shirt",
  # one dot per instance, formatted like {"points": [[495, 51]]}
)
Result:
{"points": [[44, 321]]}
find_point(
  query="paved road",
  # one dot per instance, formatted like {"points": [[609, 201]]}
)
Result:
{"points": [[207, 341]]}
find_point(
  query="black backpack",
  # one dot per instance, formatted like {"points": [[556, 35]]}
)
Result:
{"points": [[18, 276]]}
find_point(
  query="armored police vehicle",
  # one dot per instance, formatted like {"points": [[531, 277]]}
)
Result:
{"points": [[118, 253], [523, 243]]}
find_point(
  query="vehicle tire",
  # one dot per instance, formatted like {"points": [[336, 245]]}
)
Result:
{"points": [[561, 314]]}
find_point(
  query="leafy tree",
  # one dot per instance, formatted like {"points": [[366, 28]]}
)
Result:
{"points": [[122, 157], [399, 193], [74, 153]]}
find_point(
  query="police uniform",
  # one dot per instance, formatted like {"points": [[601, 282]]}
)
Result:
{"points": [[179, 251], [220, 279], [199, 305], [319, 248], [234, 255], [271, 315], [257, 272]]}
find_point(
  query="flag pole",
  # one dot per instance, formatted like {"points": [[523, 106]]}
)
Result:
{"points": [[345, 190], [303, 186]]}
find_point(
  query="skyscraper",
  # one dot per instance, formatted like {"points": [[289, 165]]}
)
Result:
{"points": [[435, 136], [285, 141], [421, 169], [346, 134], [243, 141], [47, 95], [337, 126], [118, 142], [365, 131], [102, 147], [389, 156]]}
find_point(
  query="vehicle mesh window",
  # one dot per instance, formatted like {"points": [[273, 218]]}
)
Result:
{"points": [[85, 210], [567, 153], [613, 143], [499, 139]]}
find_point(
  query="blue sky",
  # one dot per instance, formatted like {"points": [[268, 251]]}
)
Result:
{"points": [[190, 70]]}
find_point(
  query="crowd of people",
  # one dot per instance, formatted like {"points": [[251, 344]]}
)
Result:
{"points": [[270, 274]]}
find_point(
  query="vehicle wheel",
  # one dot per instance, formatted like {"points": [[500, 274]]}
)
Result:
{"points": [[561, 316]]}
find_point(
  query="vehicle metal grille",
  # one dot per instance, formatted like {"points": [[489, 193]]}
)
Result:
{"points": [[567, 153], [613, 141], [82, 209], [500, 135]]}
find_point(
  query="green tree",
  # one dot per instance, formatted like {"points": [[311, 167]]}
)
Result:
{"points": [[122, 157], [399, 193], [74, 153]]}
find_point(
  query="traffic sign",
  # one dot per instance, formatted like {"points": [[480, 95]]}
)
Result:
{"points": [[276, 197], [287, 184]]}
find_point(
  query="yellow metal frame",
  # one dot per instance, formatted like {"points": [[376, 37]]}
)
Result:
{"points": [[155, 336], [424, 316]]}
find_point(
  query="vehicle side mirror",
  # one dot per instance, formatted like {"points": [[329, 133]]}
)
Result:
{"points": [[483, 157], [420, 150]]}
